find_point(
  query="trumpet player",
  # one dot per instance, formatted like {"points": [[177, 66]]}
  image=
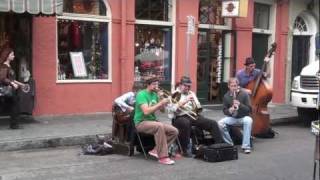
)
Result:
{"points": [[236, 106], [147, 103], [186, 115]]}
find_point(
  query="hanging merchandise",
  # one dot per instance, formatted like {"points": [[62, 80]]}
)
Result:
{"points": [[75, 35]]}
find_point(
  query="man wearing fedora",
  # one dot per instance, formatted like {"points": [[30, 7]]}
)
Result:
{"points": [[250, 72], [186, 116]]}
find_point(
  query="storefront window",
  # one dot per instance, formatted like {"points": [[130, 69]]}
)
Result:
{"points": [[261, 16], [153, 10], [83, 42], [153, 40], [153, 52], [210, 12], [92, 7]]}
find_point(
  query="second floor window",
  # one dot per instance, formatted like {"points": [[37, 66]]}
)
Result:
{"points": [[210, 12], [153, 10], [261, 16]]}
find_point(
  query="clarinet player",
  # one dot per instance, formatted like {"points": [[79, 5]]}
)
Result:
{"points": [[236, 107]]}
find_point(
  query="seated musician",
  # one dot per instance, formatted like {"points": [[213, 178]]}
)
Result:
{"points": [[147, 103], [236, 106], [124, 105], [250, 72], [127, 100], [187, 116]]}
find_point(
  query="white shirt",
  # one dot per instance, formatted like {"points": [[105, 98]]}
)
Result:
{"points": [[126, 100], [189, 106]]}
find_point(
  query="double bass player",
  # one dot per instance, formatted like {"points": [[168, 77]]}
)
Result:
{"points": [[250, 72], [255, 83]]}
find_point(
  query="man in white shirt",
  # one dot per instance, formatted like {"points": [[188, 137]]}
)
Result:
{"points": [[186, 116], [124, 109]]}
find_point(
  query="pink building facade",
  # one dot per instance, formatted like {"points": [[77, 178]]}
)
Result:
{"points": [[124, 37]]}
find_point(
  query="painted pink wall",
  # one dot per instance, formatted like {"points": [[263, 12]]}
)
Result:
{"points": [[184, 9], [76, 98], [243, 27], [79, 98], [282, 28]]}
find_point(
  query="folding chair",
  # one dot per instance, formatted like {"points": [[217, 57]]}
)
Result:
{"points": [[137, 139], [145, 141]]}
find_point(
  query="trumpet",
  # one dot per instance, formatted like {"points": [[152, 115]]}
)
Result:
{"points": [[174, 99]]}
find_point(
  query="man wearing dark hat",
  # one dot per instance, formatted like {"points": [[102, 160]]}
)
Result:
{"points": [[186, 116], [147, 103], [250, 72]]}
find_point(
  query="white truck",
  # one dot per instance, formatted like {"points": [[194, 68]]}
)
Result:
{"points": [[305, 93]]}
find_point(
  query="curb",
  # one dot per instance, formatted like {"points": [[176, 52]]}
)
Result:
{"points": [[47, 142], [52, 142]]}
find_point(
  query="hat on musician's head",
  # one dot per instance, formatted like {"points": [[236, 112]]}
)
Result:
{"points": [[151, 79], [185, 80], [249, 60]]}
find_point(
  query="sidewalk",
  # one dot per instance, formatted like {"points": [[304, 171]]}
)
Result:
{"points": [[43, 132]]}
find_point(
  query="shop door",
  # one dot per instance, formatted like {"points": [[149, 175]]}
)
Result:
{"points": [[209, 46], [300, 54], [15, 31], [259, 48]]}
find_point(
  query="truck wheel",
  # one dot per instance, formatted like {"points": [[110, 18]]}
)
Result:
{"points": [[307, 115]]}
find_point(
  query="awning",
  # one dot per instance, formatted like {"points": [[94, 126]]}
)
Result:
{"points": [[47, 7]]}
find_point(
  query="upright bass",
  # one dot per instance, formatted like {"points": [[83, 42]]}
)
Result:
{"points": [[260, 97]]}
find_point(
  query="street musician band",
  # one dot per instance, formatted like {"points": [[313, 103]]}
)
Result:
{"points": [[184, 109]]}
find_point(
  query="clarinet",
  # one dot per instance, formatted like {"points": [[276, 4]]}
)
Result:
{"points": [[235, 106]]}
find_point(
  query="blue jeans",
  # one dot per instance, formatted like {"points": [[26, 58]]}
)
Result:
{"points": [[247, 124]]}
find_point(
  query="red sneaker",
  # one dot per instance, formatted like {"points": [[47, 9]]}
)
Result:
{"points": [[177, 156], [153, 153], [166, 161]]}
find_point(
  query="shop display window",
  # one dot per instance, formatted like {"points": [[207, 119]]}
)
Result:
{"points": [[210, 12], [92, 7], [153, 52], [83, 42]]}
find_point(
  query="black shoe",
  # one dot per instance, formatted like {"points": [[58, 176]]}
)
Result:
{"points": [[187, 154], [14, 126]]}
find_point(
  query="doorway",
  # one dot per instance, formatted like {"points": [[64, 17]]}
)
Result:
{"points": [[300, 54], [259, 48], [213, 65], [15, 31]]}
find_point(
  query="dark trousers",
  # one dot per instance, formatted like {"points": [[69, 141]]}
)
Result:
{"points": [[11, 104], [184, 123]]}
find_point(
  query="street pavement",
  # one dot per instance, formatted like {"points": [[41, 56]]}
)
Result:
{"points": [[55, 131], [288, 156]]}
